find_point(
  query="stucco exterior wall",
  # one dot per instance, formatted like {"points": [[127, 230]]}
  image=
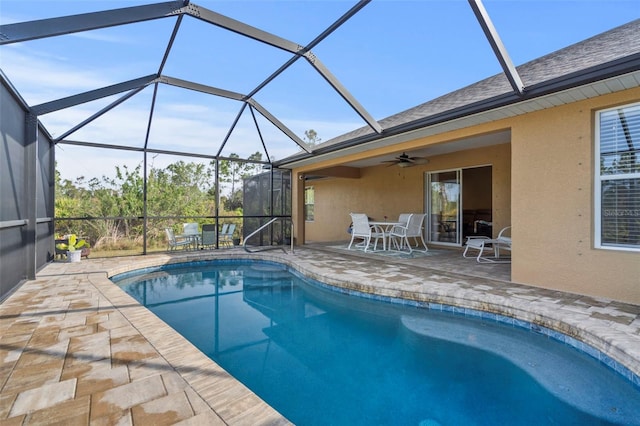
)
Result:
{"points": [[553, 205], [389, 191], [542, 184]]}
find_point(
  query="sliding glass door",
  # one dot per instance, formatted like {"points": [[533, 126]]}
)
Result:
{"points": [[443, 206]]}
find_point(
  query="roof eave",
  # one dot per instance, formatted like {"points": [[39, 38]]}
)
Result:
{"points": [[573, 80]]}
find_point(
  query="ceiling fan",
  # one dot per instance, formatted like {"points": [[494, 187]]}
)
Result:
{"points": [[404, 160]]}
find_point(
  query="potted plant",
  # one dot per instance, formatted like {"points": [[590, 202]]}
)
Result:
{"points": [[74, 247], [236, 236]]}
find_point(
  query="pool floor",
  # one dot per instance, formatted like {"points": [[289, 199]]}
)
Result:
{"points": [[76, 349]]}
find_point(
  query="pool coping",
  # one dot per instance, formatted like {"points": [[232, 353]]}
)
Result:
{"points": [[581, 318]]}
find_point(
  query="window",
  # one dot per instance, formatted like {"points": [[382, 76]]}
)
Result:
{"points": [[308, 203], [617, 189]]}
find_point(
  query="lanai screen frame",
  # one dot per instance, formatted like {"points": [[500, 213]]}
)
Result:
{"points": [[23, 32], [33, 30], [26, 31]]}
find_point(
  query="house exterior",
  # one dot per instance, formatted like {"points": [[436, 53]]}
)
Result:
{"points": [[559, 162], [550, 148]]}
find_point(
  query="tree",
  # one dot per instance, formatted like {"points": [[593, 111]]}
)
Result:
{"points": [[311, 137], [181, 189], [233, 171], [115, 204]]}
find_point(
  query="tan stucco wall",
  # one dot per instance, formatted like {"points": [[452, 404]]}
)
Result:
{"points": [[542, 185], [389, 191], [552, 205]]}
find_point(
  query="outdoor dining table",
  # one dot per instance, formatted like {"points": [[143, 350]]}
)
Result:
{"points": [[386, 228], [193, 238]]}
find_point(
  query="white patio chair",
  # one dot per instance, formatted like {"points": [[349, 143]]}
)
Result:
{"points": [[404, 217], [190, 231], [503, 241], [362, 229], [400, 234], [190, 228], [174, 243], [480, 243]]}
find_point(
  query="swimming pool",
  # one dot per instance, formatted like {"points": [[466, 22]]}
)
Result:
{"points": [[321, 357]]}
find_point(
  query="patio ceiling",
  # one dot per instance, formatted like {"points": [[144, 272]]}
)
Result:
{"points": [[479, 141], [253, 115]]}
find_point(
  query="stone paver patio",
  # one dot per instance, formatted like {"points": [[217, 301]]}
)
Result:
{"points": [[75, 349]]}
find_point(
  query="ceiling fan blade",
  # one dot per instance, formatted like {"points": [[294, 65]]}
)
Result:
{"points": [[403, 160]]}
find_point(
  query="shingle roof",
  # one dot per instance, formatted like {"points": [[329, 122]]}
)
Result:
{"points": [[614, 52]]}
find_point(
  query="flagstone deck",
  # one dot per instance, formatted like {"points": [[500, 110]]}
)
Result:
{"points": [[75, 349]]}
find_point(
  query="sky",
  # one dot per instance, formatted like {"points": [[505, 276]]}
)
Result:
{"points": [[391, 56]]}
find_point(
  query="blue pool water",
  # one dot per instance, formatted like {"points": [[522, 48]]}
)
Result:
{"points": [[321, 357]]}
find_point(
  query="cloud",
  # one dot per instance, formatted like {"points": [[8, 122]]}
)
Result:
{"points": [[182, 121], [101, 36], [40, 77]]}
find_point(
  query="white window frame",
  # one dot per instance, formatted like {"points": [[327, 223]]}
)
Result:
{"points": [[599, 179]]}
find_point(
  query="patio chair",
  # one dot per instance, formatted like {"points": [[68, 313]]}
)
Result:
{"points": [[223, 229], [404, 217], [362, 229], [400, 234], [208, 237], [174, 243], [190, 231], [190, 228], [226, 235], [481, 243]]}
